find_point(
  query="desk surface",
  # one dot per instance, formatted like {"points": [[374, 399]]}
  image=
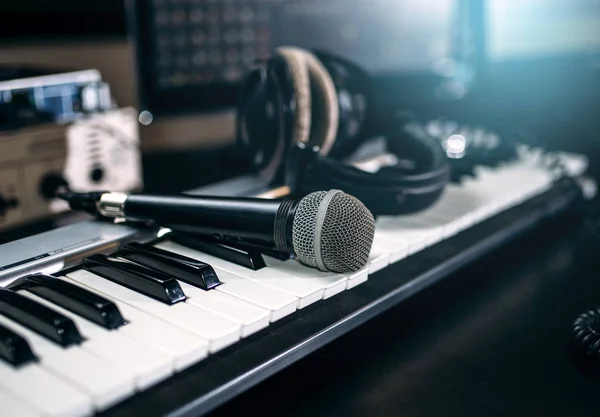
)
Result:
{"points": [[491, 340]]}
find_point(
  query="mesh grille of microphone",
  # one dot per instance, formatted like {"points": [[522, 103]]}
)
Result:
{"points": [[347, 229]]}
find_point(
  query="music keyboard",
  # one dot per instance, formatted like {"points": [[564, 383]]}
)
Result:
{"points": [[99, 338]]}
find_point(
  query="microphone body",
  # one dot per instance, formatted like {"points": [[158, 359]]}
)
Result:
{"points": [[237, 218]]}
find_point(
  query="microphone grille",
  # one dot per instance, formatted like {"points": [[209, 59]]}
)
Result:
{"points": [[333, 231]]}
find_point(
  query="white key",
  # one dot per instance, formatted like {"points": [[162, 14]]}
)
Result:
{"points": [[43, 391], [533, 179], [279, 303], [106, 384], [379, 258], [398, 250], [184, 347], [460, 200], [417, 239], [306, 291], [11, 407], [460, 207], [252, 318], [360, 279], [331, 283], [219, 331], [148, 365], [575, 164], [356, 278], [473, 201], [447, 223]]}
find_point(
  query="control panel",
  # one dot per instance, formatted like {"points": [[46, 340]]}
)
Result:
{"points": [[100, 152]]}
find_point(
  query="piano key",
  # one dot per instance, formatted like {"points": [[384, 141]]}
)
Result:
{"points": [[476, 199], [196, 273], [278, 303], [44, 391], [252, 318], [514, 183], [398, 250], [39, 318], [148, 365], [263, 249], [105, 384], [184, 347], [331, 283], [14, 349], [460, 207], [300, 275], [247, 258], [379, 258], [358, 279], [219, 331], [306, 291], [445, 224], [415, 240], [73, 298], [161, 287], [13, 407], [483, 198]]}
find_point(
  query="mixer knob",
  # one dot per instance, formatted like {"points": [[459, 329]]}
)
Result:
{"points": [[7, 203], [50, 184], [97, 174]]}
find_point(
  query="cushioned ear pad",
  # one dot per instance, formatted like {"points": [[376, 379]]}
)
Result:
{"points": [[325, 106], [298, 69], [316, 101]]}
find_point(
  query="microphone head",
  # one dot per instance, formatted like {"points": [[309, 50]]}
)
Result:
{"points": [[333, 231]]}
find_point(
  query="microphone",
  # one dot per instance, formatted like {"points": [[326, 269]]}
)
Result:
{"points": [[329, 230]]}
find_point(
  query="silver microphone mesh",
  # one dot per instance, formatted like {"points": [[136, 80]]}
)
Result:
{"points": [[333, 231]]}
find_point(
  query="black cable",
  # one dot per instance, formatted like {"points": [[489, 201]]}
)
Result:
{"points": [[586, 333]]}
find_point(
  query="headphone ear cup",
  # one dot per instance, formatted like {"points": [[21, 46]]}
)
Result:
{"points": [[316, 100]]}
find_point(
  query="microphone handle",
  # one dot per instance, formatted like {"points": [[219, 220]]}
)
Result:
{"points": [[244, 218]]}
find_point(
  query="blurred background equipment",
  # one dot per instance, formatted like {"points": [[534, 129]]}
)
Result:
{"points": [[192, 55], [528, 82], [30, 96], [61, 128]]}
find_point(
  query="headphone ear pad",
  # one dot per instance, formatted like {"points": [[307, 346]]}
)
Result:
{"points": [[325, 105], [301, 98], [315, 99]]}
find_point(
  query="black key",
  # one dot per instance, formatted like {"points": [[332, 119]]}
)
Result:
{"points": [[196, 273], [265, 250], [249, 258], [73, 298], [157, 285], [39, 318], [13, 348]]}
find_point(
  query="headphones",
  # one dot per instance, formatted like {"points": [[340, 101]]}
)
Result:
{"points": [[304, 115]]}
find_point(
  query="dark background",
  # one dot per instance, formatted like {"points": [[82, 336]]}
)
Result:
{"points": [[34, 20]]}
